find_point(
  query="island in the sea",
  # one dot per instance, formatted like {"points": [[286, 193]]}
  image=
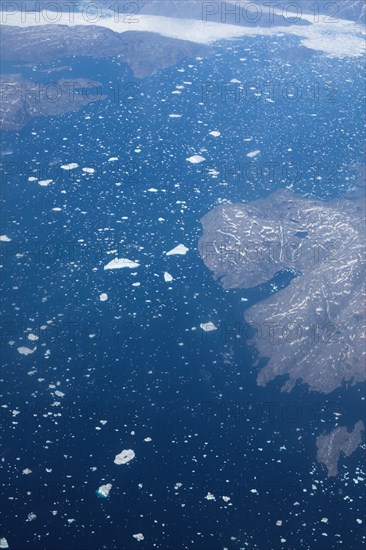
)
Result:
{"points": [[314, 329], [331, 445]]}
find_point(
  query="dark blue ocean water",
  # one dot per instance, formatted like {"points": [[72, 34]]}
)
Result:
{"points": [[139, 360]]}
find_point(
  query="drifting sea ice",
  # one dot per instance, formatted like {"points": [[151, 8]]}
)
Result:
{"points": [[104, 490], [180, 249], [119, 263], [208, 327], [195, 159], [124, 456]]}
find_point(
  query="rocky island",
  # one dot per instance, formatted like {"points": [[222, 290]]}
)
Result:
{"points": [[331, 445], [314, 329]]}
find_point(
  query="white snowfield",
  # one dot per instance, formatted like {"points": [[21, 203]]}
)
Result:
{"points": [[338, 38]]}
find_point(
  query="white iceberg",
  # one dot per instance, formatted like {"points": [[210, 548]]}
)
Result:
{"points": [[104, 296], [119, 263], [70, 166], [195, 159], [104, 490], [180, 249], [167, 277], [208, 327], [4, 239], [124, 456], [88, 170], [44, 183], [138, 536], [215, 133], [253, 154], [23, 350], [4, 543]]}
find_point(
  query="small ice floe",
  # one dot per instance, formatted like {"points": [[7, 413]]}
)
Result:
{"points": [[32, 337], [124, 456], [88, 170], [4, 543], [208, 327], [180, 249], [104, 490], [215, 133], [210, 496], [31, 516], [70, 166], [103, 297], [147, 439], [138, 536], [253, 154], [279, 522], [44, 183], [23, 350], [26, 471], [195, 159], [4, 239], [167, 277], [119, 263], [226, 499], [173, 115]]}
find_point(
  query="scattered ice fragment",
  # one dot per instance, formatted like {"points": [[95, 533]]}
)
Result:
{"points": [[124, 456], [147, 439], [33, 337], [226, 499], [152, 190], [26, 471], [174, 116], [180, 249], [138, 537], [4, 239], [88, 170], [136, 284], [44, 183], [31, 516], [359, 521], [215, 133], [279, 522], [177, 486], [167, 277], [324, 520], [70, 166], [210, 496], [103, 422], [57, 209], [71, 520], [103, 297], [4, 543], [104, 490], [23, 350], [208, 327], [119, 263], [59, 393], [253, 154], [195, 159], [111, 159]]}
